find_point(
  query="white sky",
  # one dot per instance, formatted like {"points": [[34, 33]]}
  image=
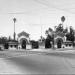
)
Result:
{"points": [[31, 14]]}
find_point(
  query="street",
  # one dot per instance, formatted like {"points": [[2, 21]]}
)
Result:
{"points": [[37, 62]]}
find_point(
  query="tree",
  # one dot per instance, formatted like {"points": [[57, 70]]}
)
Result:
{"points": [[65, 31], [71, 30], [49, 31], [70, 35], [59, 28], [9, 38], [49, 38], [3, 40], [6, 46]]}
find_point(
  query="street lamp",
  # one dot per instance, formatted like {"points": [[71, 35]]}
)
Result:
{"points": [[14, 19]]}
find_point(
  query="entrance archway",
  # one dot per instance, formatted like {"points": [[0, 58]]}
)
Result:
{"points": [[23, 44], [59, 42]]}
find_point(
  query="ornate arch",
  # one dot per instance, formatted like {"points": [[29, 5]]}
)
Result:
{"points": [[61, 39], [21, 40]]}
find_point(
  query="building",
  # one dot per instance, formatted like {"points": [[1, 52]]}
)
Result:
{"points": [[23, 40], [60, 36], [12, 44], [68, 44]]}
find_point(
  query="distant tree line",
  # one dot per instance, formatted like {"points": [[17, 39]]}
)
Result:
{"points": [[3, 40]]}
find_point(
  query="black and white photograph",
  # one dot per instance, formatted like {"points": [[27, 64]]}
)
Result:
{"points": [[37, 37]]}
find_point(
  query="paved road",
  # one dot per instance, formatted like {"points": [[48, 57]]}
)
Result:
{"points": [[37, 62]]}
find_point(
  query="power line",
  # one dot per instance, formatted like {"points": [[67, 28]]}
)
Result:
{"points": [[28, 12], [44, 3], [54, 7]]}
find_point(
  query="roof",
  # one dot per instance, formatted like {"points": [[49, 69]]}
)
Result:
{"points": [[23, 34], [61, 34], [13, 42]]}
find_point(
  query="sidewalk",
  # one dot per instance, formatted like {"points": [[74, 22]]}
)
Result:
{"points": [[60, 52], [51, 49], [67, 50]]}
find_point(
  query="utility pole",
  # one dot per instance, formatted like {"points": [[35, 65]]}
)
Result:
{"points": [[14, 19]]}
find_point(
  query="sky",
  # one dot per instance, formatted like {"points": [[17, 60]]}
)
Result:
{"points": [[34, 16]]}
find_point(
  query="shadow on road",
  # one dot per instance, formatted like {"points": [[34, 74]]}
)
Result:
{"points": [[39, 64], [31, 65]]}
